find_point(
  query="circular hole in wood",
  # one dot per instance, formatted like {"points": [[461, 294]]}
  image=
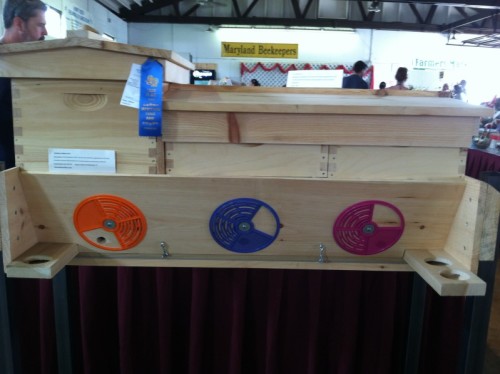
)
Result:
{"points": [[455, 275], [36, 260], [438, 261]]}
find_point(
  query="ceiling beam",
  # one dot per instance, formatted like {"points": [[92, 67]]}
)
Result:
{"points": [[466, 21], [430, 14], [306, 8], [250, 7], [415, 11], [493, 4], [258, 21], [146, 7], [484, 21]]}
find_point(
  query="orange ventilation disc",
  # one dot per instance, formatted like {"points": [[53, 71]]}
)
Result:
{"points": [[109, 222]]}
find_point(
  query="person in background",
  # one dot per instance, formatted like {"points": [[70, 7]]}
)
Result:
{"points": [[255, 82], [382, 85], [445, 91], [462, 85], [401, 78], [457, 92], [24, 21], [356, 80]]}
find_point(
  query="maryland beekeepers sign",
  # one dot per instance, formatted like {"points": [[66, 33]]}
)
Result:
{"points": [[259, 50]]}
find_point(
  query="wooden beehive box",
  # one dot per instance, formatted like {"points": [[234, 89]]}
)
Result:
{"points": [[66, 94], [302, 157], [335, 134], [51, 220]]}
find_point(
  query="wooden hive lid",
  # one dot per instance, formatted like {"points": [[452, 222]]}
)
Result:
{"points": [[315, 101], [79, 58]]}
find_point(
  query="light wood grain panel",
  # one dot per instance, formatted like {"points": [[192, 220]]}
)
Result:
{"points": [[445, 274], [490, 215], [249, 262], [240, 160], [203, 127], [332, 129], [16, 225], [63, 58], [73, 42], [178, 210], [296, 90], [101, 65], [79, 115], [404, 163], [474, 231], [251, 100], [43, 260]]}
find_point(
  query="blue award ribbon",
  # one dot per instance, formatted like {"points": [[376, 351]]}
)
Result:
{"points": [[150, 101]]}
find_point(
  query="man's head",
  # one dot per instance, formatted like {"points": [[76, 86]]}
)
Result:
{"points": [[359, 67], [24, 21]]}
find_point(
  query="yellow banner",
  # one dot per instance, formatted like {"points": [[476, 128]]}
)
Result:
{"points": [[259, 50]]}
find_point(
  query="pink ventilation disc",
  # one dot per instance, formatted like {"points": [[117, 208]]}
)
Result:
{"points": [[368, 227]]}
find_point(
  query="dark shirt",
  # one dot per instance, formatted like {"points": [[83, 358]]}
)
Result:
{"points": [[354, 81], [6, 124]]}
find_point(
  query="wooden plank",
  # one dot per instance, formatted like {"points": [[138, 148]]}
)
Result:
{"points": [[240, 160], [178, 211], [62, 58], [410, 163], [43, 260], [490, 214], [445, 274], [99, 65], [323, 129], [255, 100], [17, 231], [300, 90], [79, 115], [247, 262], [474, 229]]}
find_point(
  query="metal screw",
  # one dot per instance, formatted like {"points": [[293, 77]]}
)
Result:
{"points": [[322, 254], [164, 248], [369, 229], [109, 223], [244, 226]]}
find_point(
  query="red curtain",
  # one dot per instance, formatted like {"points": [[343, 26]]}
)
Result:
{"points": [[171, 320]]}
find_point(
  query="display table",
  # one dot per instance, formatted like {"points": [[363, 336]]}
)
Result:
{"points": [[481, 160]]}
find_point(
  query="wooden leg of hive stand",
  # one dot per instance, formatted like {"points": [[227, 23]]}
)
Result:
{"points": [[417, 310], [477, 309], [65, 343], [9, 356], [477, 317]]}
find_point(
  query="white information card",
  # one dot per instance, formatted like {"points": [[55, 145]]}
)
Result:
{"points": [[315, 78], [131, 93], [63, 160]]}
